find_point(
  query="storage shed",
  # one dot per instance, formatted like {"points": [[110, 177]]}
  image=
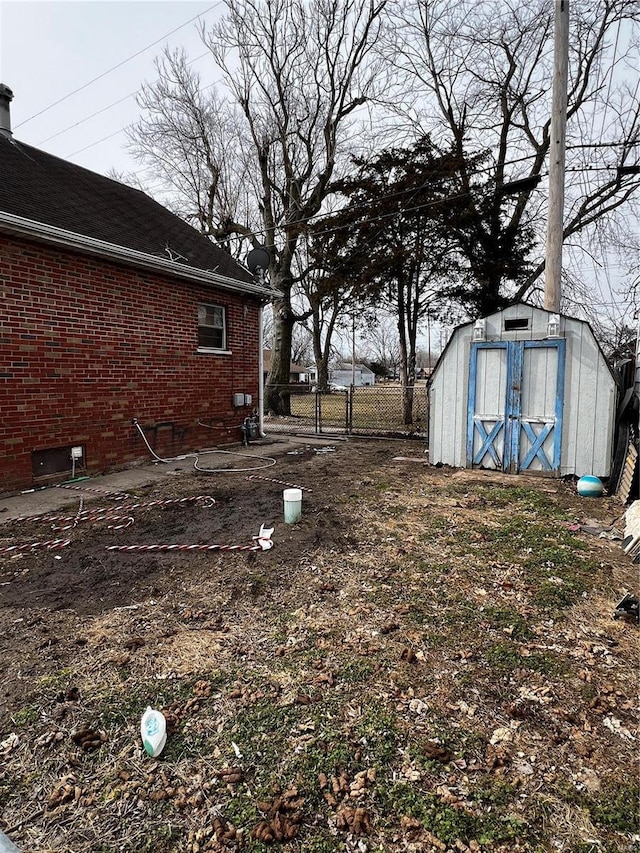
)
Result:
{"points": [[523, 389]]}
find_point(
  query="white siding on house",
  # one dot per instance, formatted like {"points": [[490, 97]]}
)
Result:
{"points": [[361, 376]]}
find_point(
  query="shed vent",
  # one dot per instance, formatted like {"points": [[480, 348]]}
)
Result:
{"points": [[516, 323]]}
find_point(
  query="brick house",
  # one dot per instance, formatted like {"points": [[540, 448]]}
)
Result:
{"points": [[115, 312]]}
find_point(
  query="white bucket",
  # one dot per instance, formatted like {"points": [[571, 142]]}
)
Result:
{"points": [[292, 505]]}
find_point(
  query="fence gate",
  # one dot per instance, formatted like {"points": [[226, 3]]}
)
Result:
{"points": [[515, 405], [370, 410]]}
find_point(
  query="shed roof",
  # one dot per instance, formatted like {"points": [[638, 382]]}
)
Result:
{"points": [[43, 189], [510, 309]]}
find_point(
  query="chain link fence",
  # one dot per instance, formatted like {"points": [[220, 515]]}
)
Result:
{"points": [[385, 410]]}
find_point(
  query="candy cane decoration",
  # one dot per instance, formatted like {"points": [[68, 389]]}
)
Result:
{"points": [[263, 543], [281, 482], [127, 520], [93, 489], [207, 501], [50, 544], [94, 515]]}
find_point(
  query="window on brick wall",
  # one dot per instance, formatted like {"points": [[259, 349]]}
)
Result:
{"points": [[212, 327]]}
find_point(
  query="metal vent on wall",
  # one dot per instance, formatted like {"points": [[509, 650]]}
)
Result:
{"points": [[55, 460]]}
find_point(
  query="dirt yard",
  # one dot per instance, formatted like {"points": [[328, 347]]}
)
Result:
{"points": [[427, 661]]}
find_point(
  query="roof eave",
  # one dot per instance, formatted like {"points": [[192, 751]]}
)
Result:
{"points": [[90, 245]]}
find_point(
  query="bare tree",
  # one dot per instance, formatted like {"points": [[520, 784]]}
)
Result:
{"points": [[482, 72], [382, 344], [298, 71], [190, 141]]}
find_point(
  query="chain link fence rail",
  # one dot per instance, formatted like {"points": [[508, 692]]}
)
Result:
{"points": [[368, 410]]}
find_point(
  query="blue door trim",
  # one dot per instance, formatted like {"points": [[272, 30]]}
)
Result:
{"points": [[512, 423], [513, 407], [487, 443], [474, 424]]}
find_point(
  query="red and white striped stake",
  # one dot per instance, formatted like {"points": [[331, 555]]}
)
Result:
{"points": [[51, 544], [263, 543], [281, 482]]}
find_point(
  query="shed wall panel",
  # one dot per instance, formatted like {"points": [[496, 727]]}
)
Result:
{"points": [[448, 415], [590, 397]]}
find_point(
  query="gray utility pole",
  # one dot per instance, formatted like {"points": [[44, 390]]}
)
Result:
{"points": [[553, 265]]}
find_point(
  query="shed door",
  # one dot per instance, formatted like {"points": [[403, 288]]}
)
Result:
{"points": [[515, 403]]}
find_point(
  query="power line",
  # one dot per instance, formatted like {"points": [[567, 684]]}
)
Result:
{"points": [[388, 197], [87, 118], [104, 139], [104, 109], [115, 67], [122, 129]]}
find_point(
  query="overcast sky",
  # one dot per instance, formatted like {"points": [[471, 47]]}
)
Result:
{"points": [[49, 50], [51, 54]]}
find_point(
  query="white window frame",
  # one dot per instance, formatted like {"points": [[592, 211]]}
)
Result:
{"points": [[202, 308]]}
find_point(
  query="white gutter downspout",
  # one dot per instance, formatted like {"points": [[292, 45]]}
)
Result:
{"points": [[260, 373]]}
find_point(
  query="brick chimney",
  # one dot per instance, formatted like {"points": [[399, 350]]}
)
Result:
{"points": [[6, 96]]}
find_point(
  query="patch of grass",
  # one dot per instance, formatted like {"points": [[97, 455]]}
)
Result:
{"points": [[551, 595], [445, 822], [25, 716], [257, 583], [518, 534], [54, 680], [261, 730], [493, 792], [126, 704], [185, 744], [510, 619], [616, 806], [323, 842], [522, 498], [505, 657], [242, 812], [378, 733], [460, 742], [355, 670], [328, 754], [158, 840]]}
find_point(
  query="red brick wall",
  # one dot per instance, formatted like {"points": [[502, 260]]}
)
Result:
{"points": [[87, 345]]}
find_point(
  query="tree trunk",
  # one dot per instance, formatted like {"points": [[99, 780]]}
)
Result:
{"points": [[276, 392], [322, 363]]}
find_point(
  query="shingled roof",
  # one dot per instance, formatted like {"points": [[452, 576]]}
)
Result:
{"points": [[44, 189]]}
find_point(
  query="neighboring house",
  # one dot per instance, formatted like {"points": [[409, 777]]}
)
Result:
{"points": [[115, 312], [359, 374], [344, 373], [297, 373], [523, 389]]}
